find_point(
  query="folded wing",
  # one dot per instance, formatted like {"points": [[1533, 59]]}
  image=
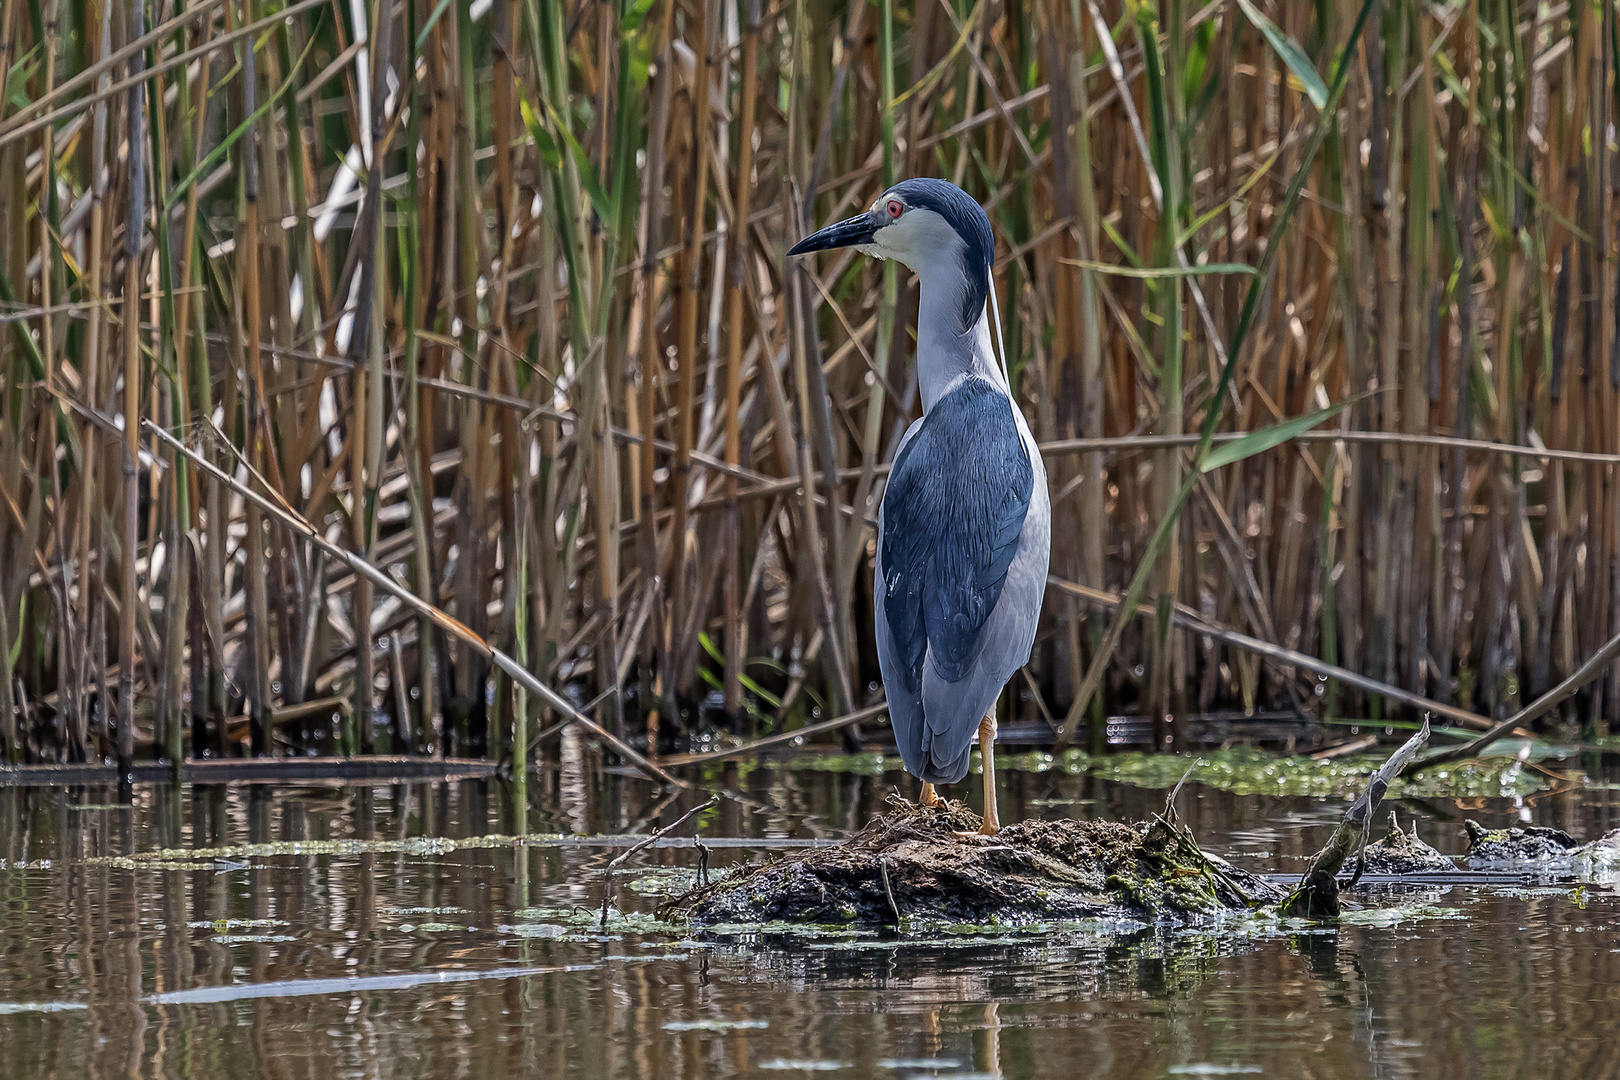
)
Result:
{"points": [[951, 520]]}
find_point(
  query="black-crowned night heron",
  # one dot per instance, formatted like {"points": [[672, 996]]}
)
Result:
{"points": [[965, 529]]}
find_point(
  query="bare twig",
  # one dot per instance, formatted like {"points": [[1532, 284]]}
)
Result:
{"points": [[607, 872]]}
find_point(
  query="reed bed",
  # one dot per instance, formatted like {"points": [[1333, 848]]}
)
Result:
{"points": [[492, 298]]}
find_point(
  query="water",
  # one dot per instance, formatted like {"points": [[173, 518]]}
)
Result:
{"points": [[424, 962]]}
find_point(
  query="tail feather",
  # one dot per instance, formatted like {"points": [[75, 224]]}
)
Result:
{"points": [[951, 715]]}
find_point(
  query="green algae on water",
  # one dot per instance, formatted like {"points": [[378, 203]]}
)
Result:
{"points": [[850, 764], [226, 926], [667, 880], [1247, 771], [578, 919], [716, 1025], [1240, 770]]}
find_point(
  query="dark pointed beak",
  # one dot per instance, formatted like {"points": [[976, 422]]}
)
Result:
{"points": [[847, 233]]}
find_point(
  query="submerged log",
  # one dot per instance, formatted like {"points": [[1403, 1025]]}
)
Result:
{"points": [[921, 865], [1317, 894]]}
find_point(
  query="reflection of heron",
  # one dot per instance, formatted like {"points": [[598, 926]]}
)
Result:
{"points": [[964, 532]]}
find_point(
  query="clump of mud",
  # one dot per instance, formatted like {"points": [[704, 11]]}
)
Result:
{"points": [[928, 864], [1401, 852], [1538, 843], [1541, 847]]}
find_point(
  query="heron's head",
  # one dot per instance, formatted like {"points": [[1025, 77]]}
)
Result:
{"points": [[931, 226]]}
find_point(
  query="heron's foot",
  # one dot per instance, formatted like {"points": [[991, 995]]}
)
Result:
{"points": [[929, 799], [991, 827]]}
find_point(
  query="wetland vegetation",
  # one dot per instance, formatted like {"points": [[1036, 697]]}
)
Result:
{"points": [[379, 376], [422, 384]]}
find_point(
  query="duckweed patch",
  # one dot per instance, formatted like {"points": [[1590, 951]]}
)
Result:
{"points": [[1240, 770], [1394, 916], [575, 920], [397, 912], [667, 880], [852, 764], [223, 926], [189, 858], [1247, 771]]}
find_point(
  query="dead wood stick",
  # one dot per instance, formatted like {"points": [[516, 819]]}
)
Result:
{"points": [[1280, 654], [1317, 894], [835, 724], [450, 624], [607, 872], [764, 485], [888, 890], [1596, 665]]}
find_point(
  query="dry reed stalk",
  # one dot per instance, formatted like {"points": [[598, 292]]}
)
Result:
{"points": [[134, 225], [737, 260]]}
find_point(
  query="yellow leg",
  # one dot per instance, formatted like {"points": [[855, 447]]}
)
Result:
{"points": [[929, 797], [987, 749]]}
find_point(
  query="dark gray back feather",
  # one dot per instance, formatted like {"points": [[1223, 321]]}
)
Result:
{"points": [[952, 516]]}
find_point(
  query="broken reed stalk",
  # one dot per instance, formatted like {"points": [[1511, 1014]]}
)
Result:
{"points": [[1284, 657], [785, 738], [381, 580], [1594, 667], [1317, 894]]}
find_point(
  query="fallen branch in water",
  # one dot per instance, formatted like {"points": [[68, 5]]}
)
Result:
{"points": [[1317, 894], [519, 674], [837, 723], [1595, 665]]}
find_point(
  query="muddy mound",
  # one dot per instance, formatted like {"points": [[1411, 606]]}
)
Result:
{"points": [[1494, 847], [925, 864], [1601, 854], [1541, 848], [1401, 852]]}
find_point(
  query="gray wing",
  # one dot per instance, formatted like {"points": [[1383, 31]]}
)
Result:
{"points": [[952, 525], [953, 709]]}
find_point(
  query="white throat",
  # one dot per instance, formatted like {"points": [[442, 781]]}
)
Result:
{"points": [[947, 351]]}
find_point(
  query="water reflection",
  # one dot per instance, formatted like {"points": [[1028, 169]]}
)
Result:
{"points": [[419, 962]]}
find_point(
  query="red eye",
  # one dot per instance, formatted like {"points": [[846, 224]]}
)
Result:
{"points": [[895, 209]]}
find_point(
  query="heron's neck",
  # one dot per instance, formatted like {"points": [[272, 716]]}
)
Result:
{"points": [[948, 351]]}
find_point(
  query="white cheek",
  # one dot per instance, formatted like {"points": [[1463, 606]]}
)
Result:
{"points": [[892, 241]]}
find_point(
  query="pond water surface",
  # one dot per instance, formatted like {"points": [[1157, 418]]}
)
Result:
{"points": [[394, 960]]}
